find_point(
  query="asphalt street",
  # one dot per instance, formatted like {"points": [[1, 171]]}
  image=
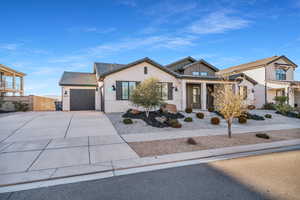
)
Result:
{"points": [[191, 182]]}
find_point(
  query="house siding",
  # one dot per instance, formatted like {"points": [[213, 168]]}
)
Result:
{"points": [[136, 73], [271, 71], [199, 67]]}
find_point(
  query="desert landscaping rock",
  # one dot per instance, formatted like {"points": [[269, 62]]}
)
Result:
{"points": [[161, 147]]}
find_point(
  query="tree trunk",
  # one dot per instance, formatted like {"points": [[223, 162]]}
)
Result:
{"points": [[147, 113], [229, 122]]}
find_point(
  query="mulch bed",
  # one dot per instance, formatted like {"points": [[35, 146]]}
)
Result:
{"points": [[161, 147], [152, 115]]}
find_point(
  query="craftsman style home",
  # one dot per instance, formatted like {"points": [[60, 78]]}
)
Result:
{"points": [[186, 83], [11, 82]]}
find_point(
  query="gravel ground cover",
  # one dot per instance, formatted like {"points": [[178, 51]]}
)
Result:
{"points": [[139, 126], [161, 147]]}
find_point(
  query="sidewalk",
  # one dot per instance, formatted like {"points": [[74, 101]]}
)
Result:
{"points": [[117, 167]]}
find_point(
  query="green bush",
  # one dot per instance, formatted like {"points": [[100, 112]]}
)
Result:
{"points": [[188, 110], [268, 116], [242, 120], [269, 106], [191, 141], [200, 115], [177, 125], [172, 122], [188, 119], [281, 99], [211, 109], [284, 108], [262, 135], [127, 121], [215, 120], [19, 106]]}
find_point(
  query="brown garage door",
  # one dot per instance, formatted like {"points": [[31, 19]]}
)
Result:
{"points": [[82, 99]]}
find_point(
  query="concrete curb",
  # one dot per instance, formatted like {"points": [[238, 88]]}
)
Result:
{"points": [[130, 166]]}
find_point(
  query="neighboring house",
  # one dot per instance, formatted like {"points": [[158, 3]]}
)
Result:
{"points": [[275, 77], [185, 83], [11, 82]]}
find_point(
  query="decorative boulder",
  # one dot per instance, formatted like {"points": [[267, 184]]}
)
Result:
{"points": [[162, 119], [191, 141]]}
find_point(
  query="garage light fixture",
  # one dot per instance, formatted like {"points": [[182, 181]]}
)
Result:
{"points": [[113, 88]]}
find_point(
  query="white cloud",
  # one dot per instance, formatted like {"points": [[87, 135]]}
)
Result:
{"points": [[98, 30], [131, 3], [217, 22], [10, 47], [151, 42]]}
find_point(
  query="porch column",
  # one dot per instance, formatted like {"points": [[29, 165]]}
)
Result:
{"points": [[183, 95], [21, 86], [14, 84], [290, 94], [203, 96]]}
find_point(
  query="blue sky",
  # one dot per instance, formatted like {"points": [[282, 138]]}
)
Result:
{"points": [[45, 38]]}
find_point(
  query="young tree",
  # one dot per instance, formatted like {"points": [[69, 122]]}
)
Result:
{"points": [[147, 95], [229, 104]]}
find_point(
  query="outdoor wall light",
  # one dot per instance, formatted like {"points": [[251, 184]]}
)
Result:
{"points": [[175, 88], [66, 92], [113, 88]]}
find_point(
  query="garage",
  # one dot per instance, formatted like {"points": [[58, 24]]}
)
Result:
{"points": [[82, 99]]}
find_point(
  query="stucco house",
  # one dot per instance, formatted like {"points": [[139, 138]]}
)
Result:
{"points": [[186, 83], [275, 77]]}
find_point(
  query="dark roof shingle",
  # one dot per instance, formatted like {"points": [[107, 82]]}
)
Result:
{"points": [[78, 79]]}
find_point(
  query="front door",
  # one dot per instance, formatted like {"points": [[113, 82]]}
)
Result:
{"points": [[196, 102]]}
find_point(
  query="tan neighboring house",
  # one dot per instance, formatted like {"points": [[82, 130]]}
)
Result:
{"points": [[186, 83], [11, 82], [275, 77]]}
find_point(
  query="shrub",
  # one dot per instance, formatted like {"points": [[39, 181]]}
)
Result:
{"points": [[281, 99], [215, 120], [268, 116], [262, 135], [172, 121], [177, 125], [269, 106], [188, 110], [191, 141], [19, 106], [211, 109], [200, 115], [127, 121], [251, 107], [188, 119], [242, 120], [298, 116], [284, 108]]}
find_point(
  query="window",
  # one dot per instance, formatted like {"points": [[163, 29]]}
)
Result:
{"points": [[163, 89], [203, 74], [145, 70], [280, 74], [127, 88], [200, 74], [243, 92]]}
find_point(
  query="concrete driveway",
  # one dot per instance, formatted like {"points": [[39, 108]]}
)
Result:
{"points": [[49, 144]]}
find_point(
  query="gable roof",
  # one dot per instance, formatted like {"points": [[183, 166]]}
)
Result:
{"points": [[78, 79], [175, 66], [242, 75], [104, 69], [255, 64], [204, 62]]}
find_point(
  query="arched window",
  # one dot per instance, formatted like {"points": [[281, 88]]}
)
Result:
{"points": [[280, 74]]}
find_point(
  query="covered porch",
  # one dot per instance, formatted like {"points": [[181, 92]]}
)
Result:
{"points": [[291, 89], [198, 94]]}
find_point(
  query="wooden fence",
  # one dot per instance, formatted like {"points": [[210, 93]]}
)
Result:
{"points": [[35, 103]]}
